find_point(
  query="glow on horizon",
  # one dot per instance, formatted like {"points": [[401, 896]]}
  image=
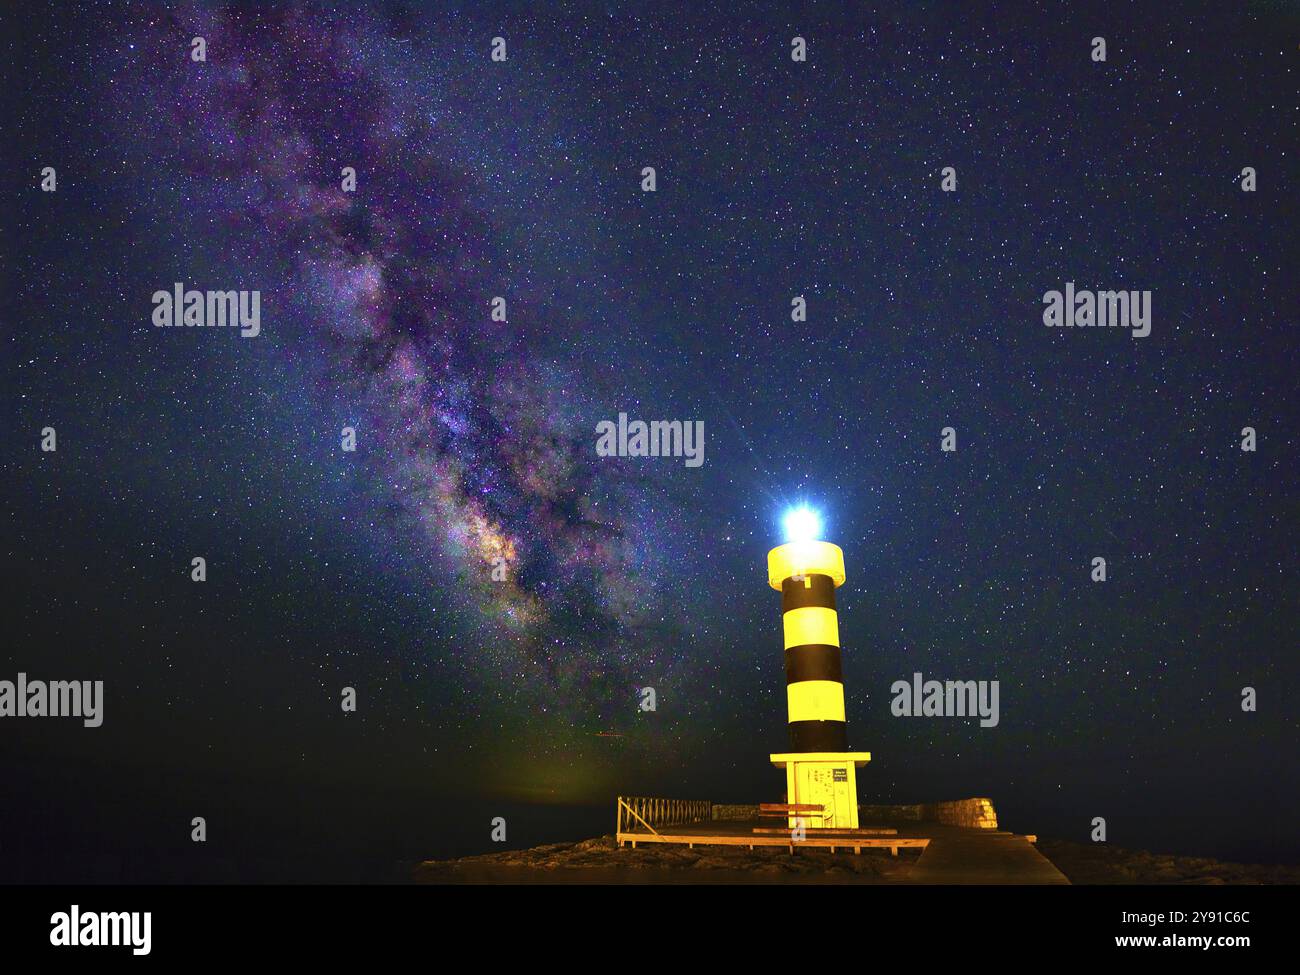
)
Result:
{"points": [[802, 524]]}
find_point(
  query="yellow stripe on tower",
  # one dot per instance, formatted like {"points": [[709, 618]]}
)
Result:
{"points": [[815, 700], [804, 559], [811, 624]]}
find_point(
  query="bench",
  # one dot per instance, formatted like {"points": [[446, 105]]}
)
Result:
{"points": [[781, 810]]}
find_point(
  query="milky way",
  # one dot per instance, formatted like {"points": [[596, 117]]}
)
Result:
{"points": [[476, 435]]}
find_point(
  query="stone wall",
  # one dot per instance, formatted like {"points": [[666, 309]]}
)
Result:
{"points": [[973, 813], [734, 812], [889, 814]]}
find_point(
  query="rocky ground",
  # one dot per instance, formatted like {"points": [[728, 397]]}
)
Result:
{"points": [[600, 861], [664, 863], [1099, 863]]}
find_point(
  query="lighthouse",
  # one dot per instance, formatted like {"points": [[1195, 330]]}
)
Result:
{"points": [[820, 771]]}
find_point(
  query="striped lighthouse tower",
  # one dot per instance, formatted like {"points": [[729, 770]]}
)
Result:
{"points": [[807, 575], [821, 772]]}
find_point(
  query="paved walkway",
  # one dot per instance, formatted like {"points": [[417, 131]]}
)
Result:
{"points": [[979, 856]]}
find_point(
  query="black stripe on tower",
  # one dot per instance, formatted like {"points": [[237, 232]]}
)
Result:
{"points": [[818, 736], [812, 661], [816, 591]]}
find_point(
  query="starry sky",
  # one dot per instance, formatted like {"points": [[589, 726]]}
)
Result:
{"points": [[476, 438]]}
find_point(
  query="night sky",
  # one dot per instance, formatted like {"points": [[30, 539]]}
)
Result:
{"points": [[476, 438]]}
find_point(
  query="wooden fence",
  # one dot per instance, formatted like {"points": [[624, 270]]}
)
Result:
{"points": [[640, 813]]}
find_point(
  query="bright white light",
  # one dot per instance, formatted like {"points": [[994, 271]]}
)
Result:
{"points": [[802, 525]]}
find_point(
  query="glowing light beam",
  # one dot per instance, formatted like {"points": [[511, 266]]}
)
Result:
{"points": [[802, 524]]}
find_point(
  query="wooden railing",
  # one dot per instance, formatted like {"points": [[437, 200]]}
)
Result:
{"points": [[640, 813]]}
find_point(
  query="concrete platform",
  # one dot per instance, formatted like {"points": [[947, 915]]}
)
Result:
{"points": [[957, 855], [741, 833], [949, 855]]}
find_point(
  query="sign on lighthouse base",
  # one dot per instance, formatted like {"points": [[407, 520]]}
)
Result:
{"points": [[826, 779]]}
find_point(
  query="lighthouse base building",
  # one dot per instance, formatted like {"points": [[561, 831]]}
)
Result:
{"points": [[820, 771], [826, 779]]}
